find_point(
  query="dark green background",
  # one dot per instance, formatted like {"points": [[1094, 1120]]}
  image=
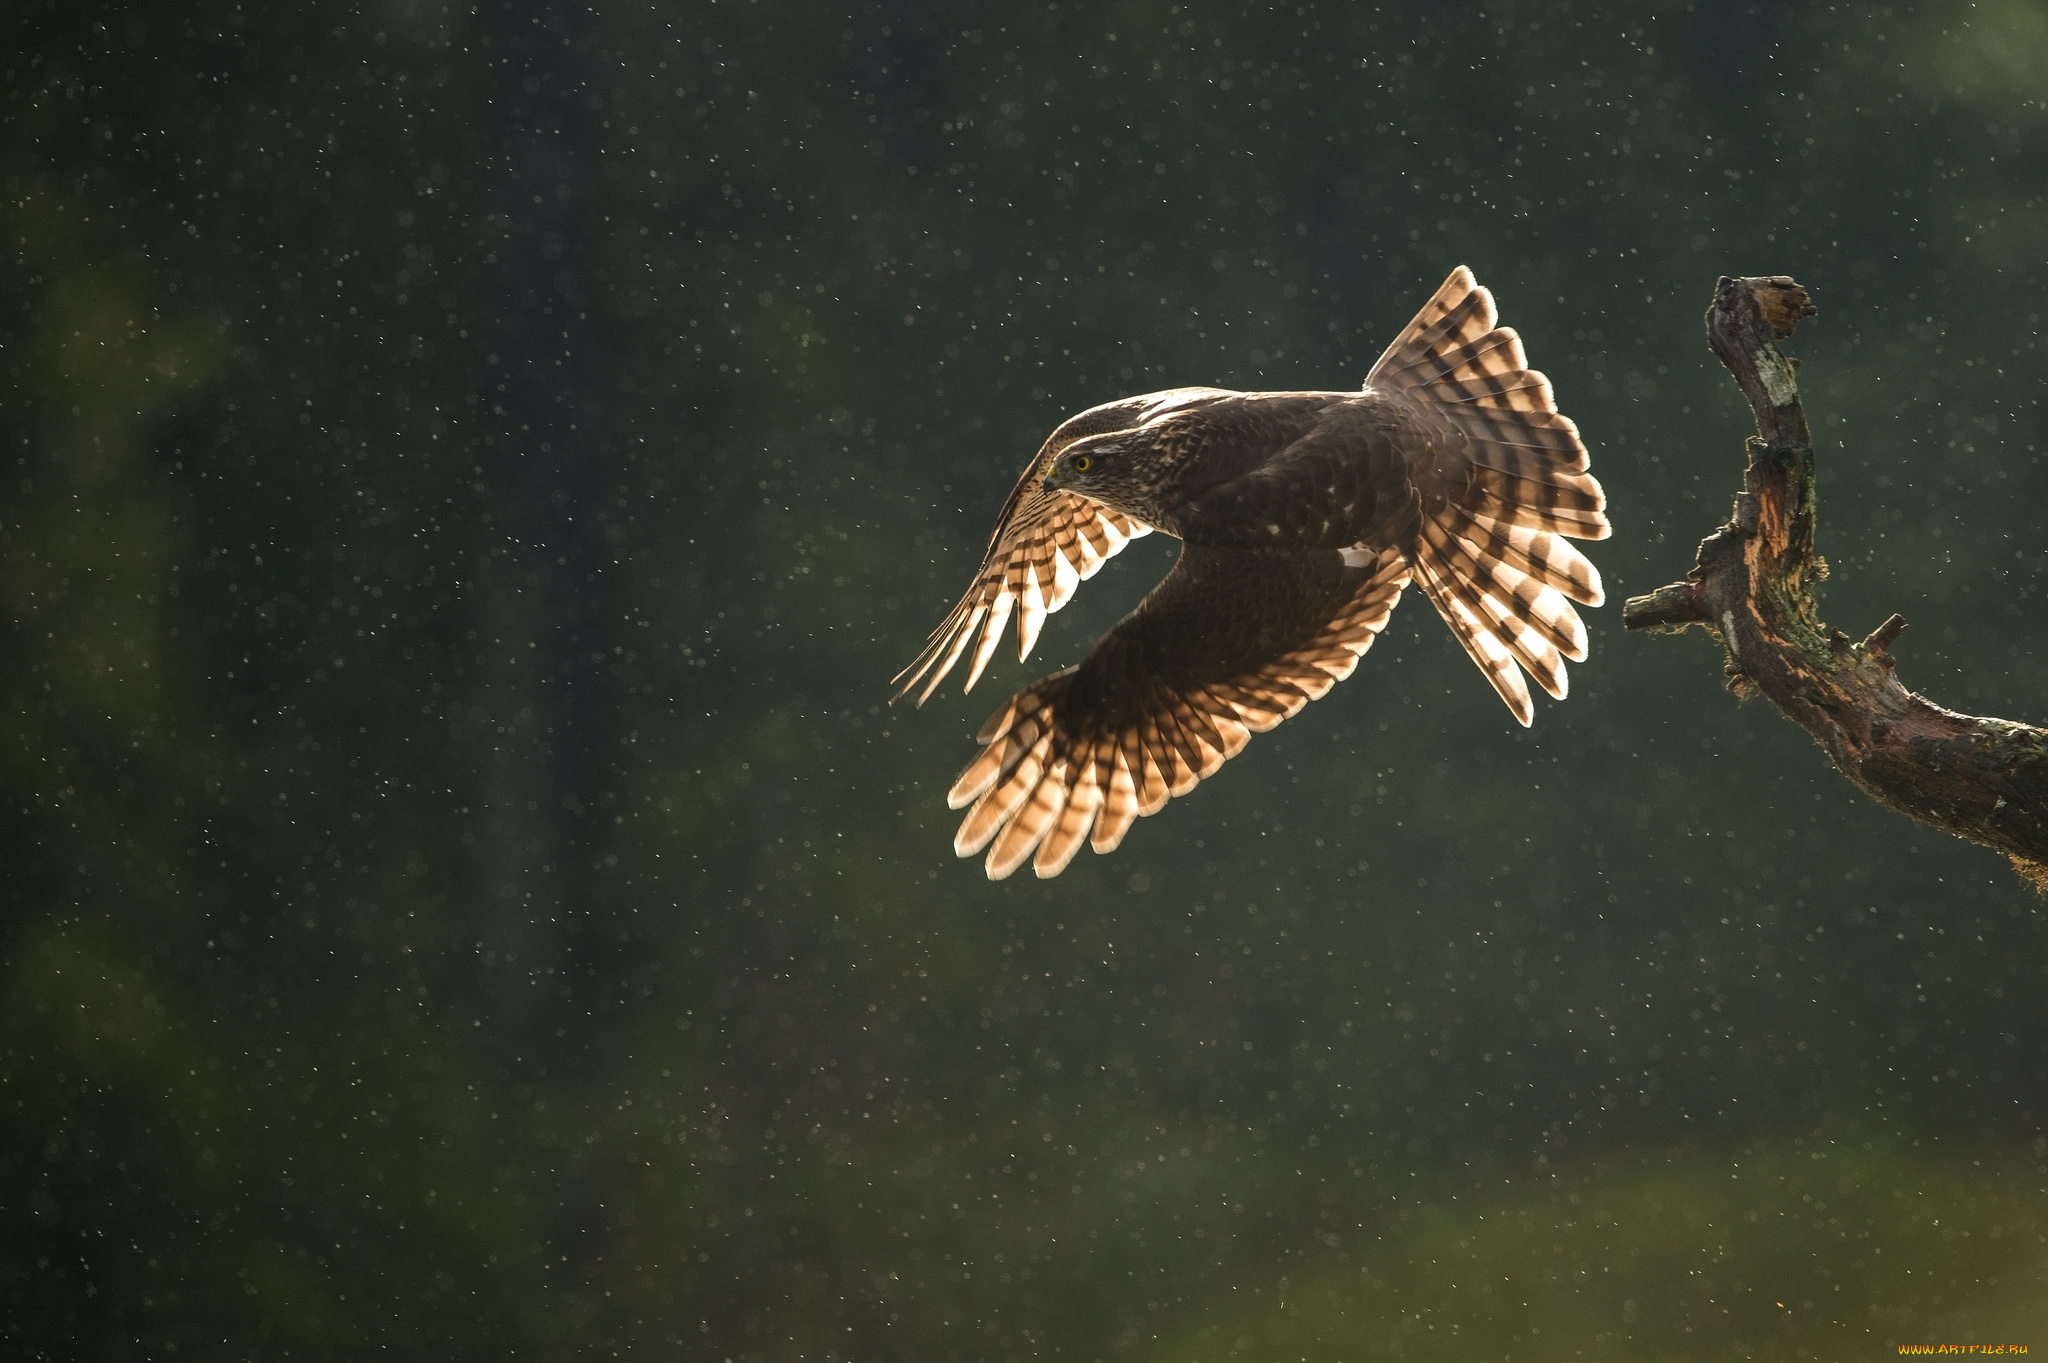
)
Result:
{"points": [[471, 472]]}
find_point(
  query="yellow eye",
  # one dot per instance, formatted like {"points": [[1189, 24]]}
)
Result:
{"points": [[1081, 463]]}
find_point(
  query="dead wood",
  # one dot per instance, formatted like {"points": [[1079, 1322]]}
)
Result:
{"points": [[1752, 586]]}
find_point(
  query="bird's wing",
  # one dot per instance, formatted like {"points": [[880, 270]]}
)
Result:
{"points": [[1043, 547], [1045, 544], [1230, 644]]}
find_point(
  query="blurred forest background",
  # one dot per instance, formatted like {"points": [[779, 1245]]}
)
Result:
{"points": [[471, 471]]}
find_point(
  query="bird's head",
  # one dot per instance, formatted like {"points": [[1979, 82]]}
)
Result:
{"points": [[1109, 468]]}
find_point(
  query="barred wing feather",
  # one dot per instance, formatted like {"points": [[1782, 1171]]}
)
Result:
{"points": [[1045, 544], [1054, 542], [1231, 644]]}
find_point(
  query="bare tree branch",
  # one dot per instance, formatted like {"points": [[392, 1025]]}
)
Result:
{"points": [[1752, 586]]}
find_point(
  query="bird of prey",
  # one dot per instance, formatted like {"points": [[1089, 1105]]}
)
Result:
{"points": [[1301, 517]]}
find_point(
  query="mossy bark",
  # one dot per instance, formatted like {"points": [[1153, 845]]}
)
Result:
{"points": [[1752, 586]]}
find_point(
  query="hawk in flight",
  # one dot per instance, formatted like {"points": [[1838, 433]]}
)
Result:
{"points": [[1301, 517]]}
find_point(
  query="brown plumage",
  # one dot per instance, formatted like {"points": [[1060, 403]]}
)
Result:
{"points": [[1301, 516]]}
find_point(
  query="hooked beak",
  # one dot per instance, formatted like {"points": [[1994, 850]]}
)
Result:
{"points": [[1051, 483]]}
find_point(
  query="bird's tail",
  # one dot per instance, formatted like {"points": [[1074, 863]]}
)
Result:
{"points": [[1493, 555]]}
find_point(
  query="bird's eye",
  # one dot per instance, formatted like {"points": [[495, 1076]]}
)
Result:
{"points": [[1081, 463]]}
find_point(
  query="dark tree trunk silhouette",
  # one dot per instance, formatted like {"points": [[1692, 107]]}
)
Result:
{"points": [[1752, 586]]}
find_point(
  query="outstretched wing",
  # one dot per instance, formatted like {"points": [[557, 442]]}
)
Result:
{"points": [[1230, 644], [1045, 544], [1042, 550]]}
